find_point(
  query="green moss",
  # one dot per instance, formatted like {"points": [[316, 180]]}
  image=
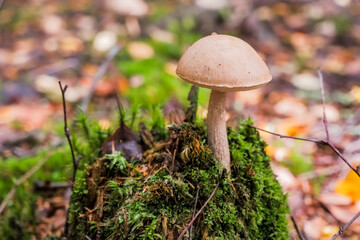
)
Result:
{"points": [[154, 198]]}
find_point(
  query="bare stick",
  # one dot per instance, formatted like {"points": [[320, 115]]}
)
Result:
{"points": [[196, 200], [67, 132], [198, 213], [343, 228], [102, 69], [296, 227], [327, 210], [320, 142], [323, 104], [22, 179]]}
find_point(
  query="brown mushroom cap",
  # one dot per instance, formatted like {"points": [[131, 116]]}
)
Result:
{"points": [[223, 63]]}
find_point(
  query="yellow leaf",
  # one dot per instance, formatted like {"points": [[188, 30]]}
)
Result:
{"points": [[349, 186]]}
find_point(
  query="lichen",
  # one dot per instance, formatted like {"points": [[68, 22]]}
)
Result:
{"points": [[154, 198]]}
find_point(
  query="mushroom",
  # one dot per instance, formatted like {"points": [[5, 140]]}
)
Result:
{"points": [[132, 10], [224, 64]]}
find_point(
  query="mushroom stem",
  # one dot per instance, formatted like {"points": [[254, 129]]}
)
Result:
{"points": [[216, 124]]}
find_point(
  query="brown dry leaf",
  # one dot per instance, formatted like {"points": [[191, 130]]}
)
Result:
{"points": [[349, 186], [123, 140]]}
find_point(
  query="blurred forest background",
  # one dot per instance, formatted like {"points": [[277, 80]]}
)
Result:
{"points": [[44, 41]]}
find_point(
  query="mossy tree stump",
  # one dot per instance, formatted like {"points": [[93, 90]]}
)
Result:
{"points": [[154, 198]]}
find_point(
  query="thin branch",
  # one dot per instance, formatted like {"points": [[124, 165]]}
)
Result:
{"points": [[343, 228], [198, 213], [67, 132], [320, 142], [99, 74], [327, 210], [196, 200], [357, 170], [323, 105], [22, 179], [296, 227]]}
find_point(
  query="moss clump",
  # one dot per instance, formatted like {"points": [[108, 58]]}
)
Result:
{"points": [[154, 198]]}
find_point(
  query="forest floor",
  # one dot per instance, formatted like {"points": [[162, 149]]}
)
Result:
{"points": [[43, 42]]}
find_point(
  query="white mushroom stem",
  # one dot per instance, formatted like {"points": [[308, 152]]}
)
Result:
{"points": [[216, 124]]}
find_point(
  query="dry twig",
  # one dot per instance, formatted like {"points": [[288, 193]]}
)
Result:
{"points": [[196, 200], [198, 213], [320, 142], [67, 132], [343, 228], [296, 227]]}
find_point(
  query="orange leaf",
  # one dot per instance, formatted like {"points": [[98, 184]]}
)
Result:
{"points": [[349, 186]]}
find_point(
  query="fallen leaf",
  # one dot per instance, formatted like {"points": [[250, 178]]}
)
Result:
{"points": [[349, 186], [123, 140]]}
